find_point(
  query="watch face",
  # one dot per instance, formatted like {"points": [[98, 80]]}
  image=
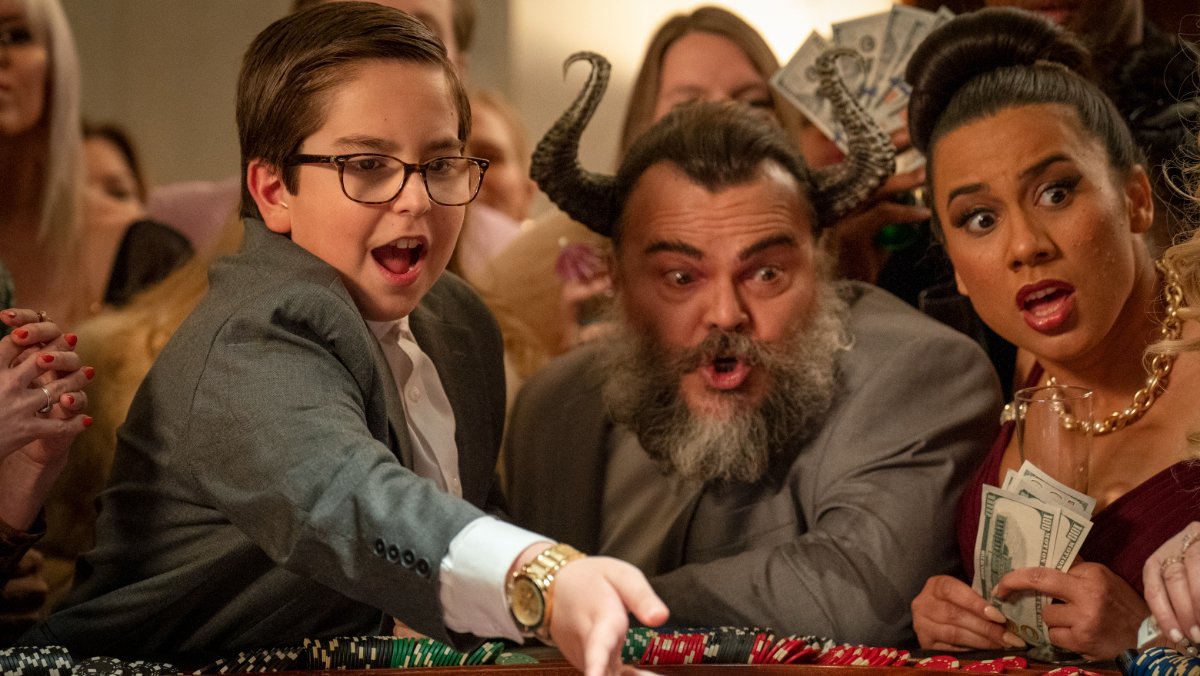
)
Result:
{"points": [[528, 605]]}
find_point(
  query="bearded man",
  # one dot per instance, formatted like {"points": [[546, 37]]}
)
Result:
{"points": [[772, 448]]}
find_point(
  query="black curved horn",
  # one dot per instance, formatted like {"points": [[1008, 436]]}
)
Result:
{"points": [[585, 196], [871, 158]]}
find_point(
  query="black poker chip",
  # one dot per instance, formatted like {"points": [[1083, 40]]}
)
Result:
{"points": [[111, 666], [28, 661]]}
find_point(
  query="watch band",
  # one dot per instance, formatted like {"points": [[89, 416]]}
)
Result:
{"points": [[541, 571]]}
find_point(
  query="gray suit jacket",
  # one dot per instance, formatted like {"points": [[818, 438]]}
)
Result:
{"points": [[260, 493], [839, 537]]}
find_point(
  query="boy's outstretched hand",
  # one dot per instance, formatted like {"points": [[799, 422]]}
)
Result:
{"points": [[592, 600]]}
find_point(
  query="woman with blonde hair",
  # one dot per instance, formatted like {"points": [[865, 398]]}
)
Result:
{"points": [[58, 264], [1171, 576], [41, 178]]}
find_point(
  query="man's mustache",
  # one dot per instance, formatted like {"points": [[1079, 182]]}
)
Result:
{"points": [[718, 344]]}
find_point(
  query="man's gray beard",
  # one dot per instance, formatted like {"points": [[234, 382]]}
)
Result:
{"points": [[642, 393]]}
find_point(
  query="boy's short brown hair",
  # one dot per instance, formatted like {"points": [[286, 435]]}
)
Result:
{"points": [[296, 60]]}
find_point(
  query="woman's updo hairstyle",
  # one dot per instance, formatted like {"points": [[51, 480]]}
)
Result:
{"points": [[981, 63]]}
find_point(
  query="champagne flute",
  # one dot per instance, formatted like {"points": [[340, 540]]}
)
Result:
{"points": [[1054, 432]]}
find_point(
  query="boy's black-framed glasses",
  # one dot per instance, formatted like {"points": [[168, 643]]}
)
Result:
{"points": [[371, 178]]}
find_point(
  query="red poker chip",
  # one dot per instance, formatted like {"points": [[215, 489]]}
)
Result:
{"points": [[1071, 671], [695, 654], [831, 656], [987, 667], [784, 648], [1014, 662], [884, 657], [806, 654], [939, 662]]}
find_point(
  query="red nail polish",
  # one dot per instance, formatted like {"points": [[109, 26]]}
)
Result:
{"points": [[70, 400], [87, 421], [10, 314], [21, 333], [89, 372], [71, 339], [46, 359]]}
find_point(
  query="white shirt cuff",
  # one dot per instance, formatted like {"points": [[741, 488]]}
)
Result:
{"points": [[474, 573]]}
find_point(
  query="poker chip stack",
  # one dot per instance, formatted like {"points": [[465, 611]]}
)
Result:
{"points": [[863, 656], [734, 645], [354, 652], [1162, 661], [724, 645], [387, 652], [28, 661], [259, 661], [111, 666]]}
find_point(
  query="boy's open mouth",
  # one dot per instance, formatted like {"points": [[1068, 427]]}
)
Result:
{"points": [[401, 256]]}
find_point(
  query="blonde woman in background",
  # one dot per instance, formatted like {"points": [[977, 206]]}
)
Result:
{"points": [[1171, 576], [60, 264], [41, 177]]}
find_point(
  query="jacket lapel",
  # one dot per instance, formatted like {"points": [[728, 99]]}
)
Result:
{"points": [[452, 350]]}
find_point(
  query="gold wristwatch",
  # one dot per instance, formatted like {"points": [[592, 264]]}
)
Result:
{"points": [[530, 588]]}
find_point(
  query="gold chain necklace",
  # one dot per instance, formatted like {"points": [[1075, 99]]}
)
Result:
{"points": [[1171, 328]]}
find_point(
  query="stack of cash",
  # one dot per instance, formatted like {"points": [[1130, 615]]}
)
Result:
{"points": [[885, 41], [1032, 520]]}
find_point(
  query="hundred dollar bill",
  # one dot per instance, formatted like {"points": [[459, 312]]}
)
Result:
{"points": [[1010, 479], [1044, 487], [865, 34], [891, 107], [798, 83], [1015, 532], [1072, 530], [904, 23]]}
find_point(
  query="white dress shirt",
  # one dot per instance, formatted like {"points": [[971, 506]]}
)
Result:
{"points": [[474, 571]]}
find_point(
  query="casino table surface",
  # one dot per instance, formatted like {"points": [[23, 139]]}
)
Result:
{"points": [[551, 663], [382, 655], [562, 668]]}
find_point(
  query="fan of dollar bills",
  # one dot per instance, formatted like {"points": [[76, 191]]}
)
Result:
{"points": [[886, 41], [1032, 520]]}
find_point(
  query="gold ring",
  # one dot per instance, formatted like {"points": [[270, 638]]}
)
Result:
{"points": [[1169, 561], [41, 315], [1188, 539], [49, 401]]}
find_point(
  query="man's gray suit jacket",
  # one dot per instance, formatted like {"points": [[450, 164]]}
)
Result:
{"points": [[260, 493], [841, 535]]}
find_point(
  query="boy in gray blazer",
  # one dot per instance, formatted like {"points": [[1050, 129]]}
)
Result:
{"points": [[313, 451]]}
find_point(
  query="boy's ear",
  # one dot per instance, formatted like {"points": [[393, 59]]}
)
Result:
{"points": [[265, 183]]}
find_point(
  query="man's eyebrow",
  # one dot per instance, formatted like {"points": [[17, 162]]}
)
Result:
{"points": [[767, 243], [673, 246]]}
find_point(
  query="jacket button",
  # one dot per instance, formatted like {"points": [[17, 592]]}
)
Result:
{"points": [[423, 568], [393, 553], [408, 559], [380, 547]]}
